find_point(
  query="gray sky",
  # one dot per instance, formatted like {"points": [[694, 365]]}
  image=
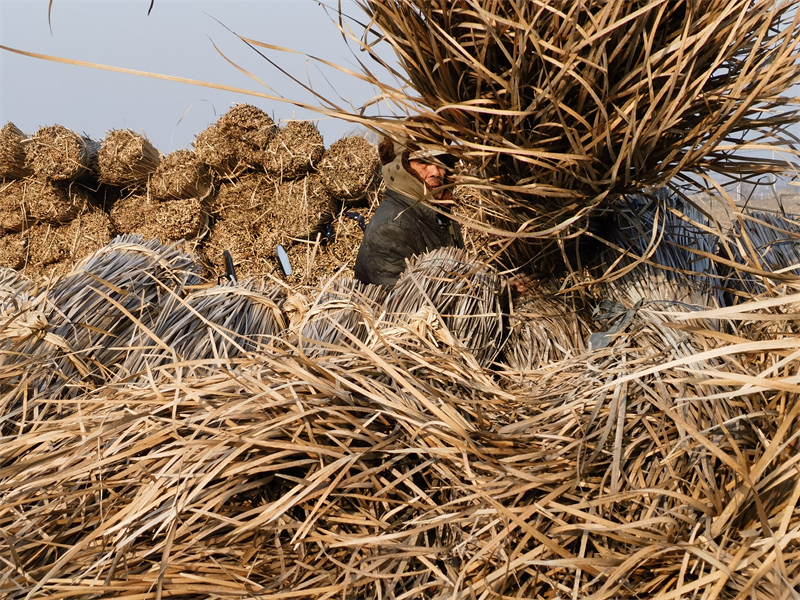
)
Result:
{"points": [[176, 39]]}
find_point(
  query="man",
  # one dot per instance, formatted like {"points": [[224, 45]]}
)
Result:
{"points": [[404, 224]]}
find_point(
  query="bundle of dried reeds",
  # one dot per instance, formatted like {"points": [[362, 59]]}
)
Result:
{"points": [[180, 174], [183, 219], [543, 330], [126, 158], [13, 250], [445, 289], [302, 208], [15, 289], [659, 252], [558, 104], [342, 317], [207, 329], [59, 154], [349, 167], [27, 201], [237, 141], [87, 318], [294, 151], [13, 160]]}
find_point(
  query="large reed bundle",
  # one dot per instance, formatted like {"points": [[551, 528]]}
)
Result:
{"points": [[558, 104], [59, 154], [446, 289], [543, 330], [237, 141], [342, 317], [294, 151], [412, 474], [89, 316], [15, 289], [302, 208], [208, 328], [13, 160], [349, 167], [659, 253], [126, 158], [180, 174], [24, 202], [168, 222], [13, 250]]}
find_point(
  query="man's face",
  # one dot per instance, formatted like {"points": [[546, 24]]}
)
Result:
{"points": [[432, 175]]}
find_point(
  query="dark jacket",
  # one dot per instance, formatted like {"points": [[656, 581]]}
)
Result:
{"points": [[400, 229]]}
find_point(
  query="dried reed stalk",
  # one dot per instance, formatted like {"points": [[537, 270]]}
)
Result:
{"points": [[13, 160], [59, 154], [126, 158]]}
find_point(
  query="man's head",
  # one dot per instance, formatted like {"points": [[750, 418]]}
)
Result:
{"points": [[412, 171]]}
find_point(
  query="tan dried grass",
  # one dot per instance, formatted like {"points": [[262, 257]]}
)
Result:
{"points": [[184, 219], [13, 160], [126, 159], [179, 175], [59, 154], [350, 167], [27, 201], [294, 151]]}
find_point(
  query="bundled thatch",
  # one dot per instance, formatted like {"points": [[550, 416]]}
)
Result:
{"points": [[167, 221], [558, 104], [294, 151], [59, 154], [180, 174], [241, 235], [81, 326], [543, 330], [208, 328], [30, 200], [237, 141], [349, 167], [332, 253], [252, 191], [342, 317], [302, 208], [463, 299], [54, 250], [15, 290], [126, 158], [659, 252], [13, 160]]}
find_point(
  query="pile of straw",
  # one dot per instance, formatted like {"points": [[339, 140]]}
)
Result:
{"points": [[13, 160], [237, 141], [557, 105], [59, 154], [126, 159], [166, 221]]}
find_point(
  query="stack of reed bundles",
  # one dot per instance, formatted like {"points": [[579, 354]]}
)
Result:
{"points": [[13, 158], [126, 159], [59, 154], [208, 330], [168, 222]]}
